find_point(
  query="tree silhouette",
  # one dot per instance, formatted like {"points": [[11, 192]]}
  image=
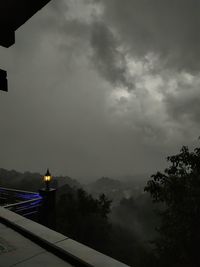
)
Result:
{"points": [[84, 218], [178, 190]]}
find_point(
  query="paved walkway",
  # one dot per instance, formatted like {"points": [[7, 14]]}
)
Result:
{"points": [[16, 250]]}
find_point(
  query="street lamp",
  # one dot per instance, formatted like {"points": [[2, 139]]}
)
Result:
{"points": [[47, 179], [47, 210]]}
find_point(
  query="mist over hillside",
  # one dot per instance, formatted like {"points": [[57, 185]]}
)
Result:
{"points": [[131, 210]]}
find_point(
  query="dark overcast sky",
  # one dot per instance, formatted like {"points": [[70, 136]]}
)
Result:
{"points": [[102, 87]]}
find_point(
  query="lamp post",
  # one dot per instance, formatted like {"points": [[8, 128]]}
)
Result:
{"points": [[47, 179], [47, 213]]}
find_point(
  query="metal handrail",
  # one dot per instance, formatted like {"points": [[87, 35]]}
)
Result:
{"points": [[17, 191], [21, 203]]}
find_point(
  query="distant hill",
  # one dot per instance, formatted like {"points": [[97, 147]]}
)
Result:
{"points": [[116, 189], [63, 180], [105, 184], [31, 181], [113, 189], [136, 179]]}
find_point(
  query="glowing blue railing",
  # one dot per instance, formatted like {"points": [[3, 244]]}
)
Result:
{"points": [[24, 203]]}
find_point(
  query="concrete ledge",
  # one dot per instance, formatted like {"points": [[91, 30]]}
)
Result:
{"points": [[73, 252], [87, 254]]}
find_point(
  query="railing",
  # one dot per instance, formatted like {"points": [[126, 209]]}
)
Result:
{"points": [[24, 203]]}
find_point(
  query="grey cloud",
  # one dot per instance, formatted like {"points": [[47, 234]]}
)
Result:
{"points": [[169, 29], [75, 34], [57, 111], [107, 57], [184, 107], [57, 6]]}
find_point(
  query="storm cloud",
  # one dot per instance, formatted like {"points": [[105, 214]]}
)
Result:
{"points": [[107, 57], [169, 29], [99, 88]]}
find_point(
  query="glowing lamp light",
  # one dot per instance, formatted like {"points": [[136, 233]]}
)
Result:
{"points": [[47, 179]]}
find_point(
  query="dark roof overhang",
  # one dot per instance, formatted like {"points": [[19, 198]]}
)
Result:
{"points": [[14, 13]]}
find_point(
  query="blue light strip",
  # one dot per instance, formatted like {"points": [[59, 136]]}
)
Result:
{"points": [[20, 195], [22, 202], [28, 196]]}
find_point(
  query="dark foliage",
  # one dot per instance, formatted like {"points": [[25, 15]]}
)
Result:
{"points": [[128, 248], [87, 220], [137, 215], [178, 189], [84, 218]]}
